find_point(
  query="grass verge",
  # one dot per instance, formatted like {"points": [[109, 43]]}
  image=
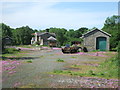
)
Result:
{"points": [[107, 69]]}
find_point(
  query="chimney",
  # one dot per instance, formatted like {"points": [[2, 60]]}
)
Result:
{"points": [[47, 30]]}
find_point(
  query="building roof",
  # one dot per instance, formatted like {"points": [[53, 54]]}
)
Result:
{"points": [[42, 33], [52, 38], [96, 30], [7, 38]]}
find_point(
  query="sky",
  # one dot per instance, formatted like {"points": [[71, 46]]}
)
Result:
{"points": [[69, 15]]}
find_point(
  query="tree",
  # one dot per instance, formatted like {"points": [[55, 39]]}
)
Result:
{"points": [[71, 33], [112, 26], [112, 20], [81, 31], [22, 35], [60, 34], [5, 30]]}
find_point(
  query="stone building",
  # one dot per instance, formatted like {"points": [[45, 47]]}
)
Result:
{"points": [[96, 40], [43, 38], [7, 40]]}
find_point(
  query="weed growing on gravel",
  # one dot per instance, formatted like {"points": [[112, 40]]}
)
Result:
{"points": [[29, 61], [68, 72], [58, 71], [75, 65], [73, 57], [31, 86], [106, 69], [91, 72], [60, 60], [109, 68]]}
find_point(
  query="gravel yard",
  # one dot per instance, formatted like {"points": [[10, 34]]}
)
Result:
{"points": [[32, 70]]}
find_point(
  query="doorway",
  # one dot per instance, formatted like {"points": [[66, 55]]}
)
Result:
{"points": [[101, 43]]}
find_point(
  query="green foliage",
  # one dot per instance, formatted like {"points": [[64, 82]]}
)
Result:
{"points": [[29, 61], [91, 72], [60, 34], [19, 36], [22, 35], [60, 60], [58, 71], [10, 51], [5, 30], [81, 31], [109, 68], [118, 53], [96, 50], [112, 20], [112, 26], [68, 72], [114, 49], [66, 37]]}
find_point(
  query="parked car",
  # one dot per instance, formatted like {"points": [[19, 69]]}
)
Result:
{"points": [[70, 49]]}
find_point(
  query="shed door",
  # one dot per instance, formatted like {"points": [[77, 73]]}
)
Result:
{"points": [[101, 43]]}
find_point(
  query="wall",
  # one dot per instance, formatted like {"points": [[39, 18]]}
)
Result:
{"points": [[45, 37], [90, 40]]}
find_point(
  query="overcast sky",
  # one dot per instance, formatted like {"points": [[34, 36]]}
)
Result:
{"points": [[69, 15]]}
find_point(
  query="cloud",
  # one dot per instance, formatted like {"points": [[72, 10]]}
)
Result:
{"points": [[41, 16]]}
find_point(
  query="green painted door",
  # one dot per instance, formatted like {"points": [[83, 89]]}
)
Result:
{"points": [[101, 43]]}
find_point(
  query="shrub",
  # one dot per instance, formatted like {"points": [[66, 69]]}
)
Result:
{"points": [[29, 61], [60, 60]]}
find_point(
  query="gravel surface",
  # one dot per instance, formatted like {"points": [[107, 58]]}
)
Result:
{"points": [[20, 73]]}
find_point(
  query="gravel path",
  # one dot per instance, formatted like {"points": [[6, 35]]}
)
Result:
{"points": [[36, 74]]}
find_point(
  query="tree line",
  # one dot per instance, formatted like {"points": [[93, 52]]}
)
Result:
{"points": [[23, 35]]}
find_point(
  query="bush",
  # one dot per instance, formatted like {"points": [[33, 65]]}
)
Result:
{"points": [[29, 61], [114, 49], [60, 60]]}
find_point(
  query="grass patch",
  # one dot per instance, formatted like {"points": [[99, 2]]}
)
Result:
{"points": [[41, 56], [31, 86], [109, 68], [73, 57], [60, 60], [25, 46], [76, 66], [29, 61], [10, 51], [106, 69], [68, 72], [95, 51], [17, 54]]}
